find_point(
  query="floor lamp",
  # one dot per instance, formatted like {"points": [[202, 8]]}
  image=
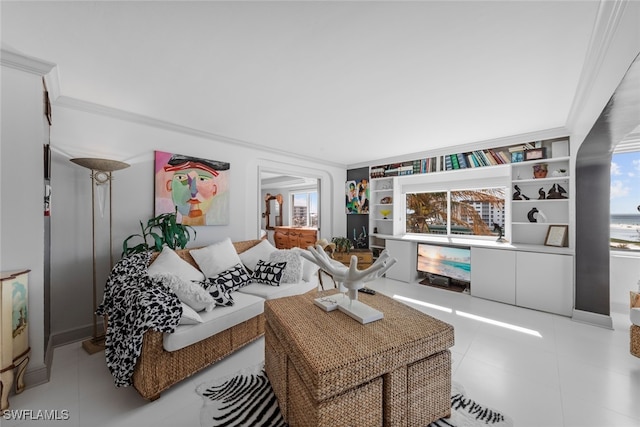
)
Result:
{"points": [[101, 176]]}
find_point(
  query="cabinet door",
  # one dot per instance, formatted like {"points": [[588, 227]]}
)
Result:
{"points": [[493, 274], [405, 267], [545, 282]]}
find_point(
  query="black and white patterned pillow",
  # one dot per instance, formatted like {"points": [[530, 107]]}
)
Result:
{"points": [[268, 273], [221, 295], [231, 279]]}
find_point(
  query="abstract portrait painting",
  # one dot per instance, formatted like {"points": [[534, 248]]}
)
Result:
{"points": [[197, 188]]}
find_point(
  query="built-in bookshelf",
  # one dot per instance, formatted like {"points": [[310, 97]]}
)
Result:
{"points": [[473, 159], [536, 203]]}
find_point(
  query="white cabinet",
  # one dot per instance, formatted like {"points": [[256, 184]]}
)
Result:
{"points": [[493, 274], [406, 255], [544, 282]]}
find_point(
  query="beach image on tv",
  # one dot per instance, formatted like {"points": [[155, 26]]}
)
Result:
{"points": [[445, 261]]}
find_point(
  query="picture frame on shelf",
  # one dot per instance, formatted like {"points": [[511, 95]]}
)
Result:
{"points": [[557, 235], [517, 156], [535, 153]]}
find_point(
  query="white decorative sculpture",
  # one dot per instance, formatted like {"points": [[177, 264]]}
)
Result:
{"points": [[352, 279]]}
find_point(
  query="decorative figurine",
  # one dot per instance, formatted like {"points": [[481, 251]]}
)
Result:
{"points": [[531, 215], [518, 194], [541, 194], [556, 192]]}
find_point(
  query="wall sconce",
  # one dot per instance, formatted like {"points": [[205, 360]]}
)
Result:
{"points": [[101, 177]]}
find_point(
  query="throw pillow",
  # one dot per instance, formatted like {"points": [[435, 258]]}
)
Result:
{"points": [[170, 262], [231, 279], [220, 295], [261, 251], [216, 258], [268, 273], [189, 316], [189, 293], [309, 268], [293, 271]]}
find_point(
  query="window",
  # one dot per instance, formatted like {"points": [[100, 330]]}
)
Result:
{"points": [[304, 209], [457, 212], [625, 201]]}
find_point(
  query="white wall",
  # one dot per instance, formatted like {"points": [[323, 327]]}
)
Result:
{"points": [[82, 134], [22, 194]]}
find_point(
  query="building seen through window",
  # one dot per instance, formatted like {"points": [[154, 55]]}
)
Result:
{"points": [[461, 212], [304, 209]]}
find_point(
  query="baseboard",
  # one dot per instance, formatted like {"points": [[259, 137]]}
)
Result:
{"points": [[595, 319], [73, 335]]}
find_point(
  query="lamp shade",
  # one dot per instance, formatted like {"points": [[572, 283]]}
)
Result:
{"points": [[104, 165]]}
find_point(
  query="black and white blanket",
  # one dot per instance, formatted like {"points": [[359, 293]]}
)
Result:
{"points": [[134, 303]]}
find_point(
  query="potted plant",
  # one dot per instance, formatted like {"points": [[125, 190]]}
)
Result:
{"points": [[342, 244], [160, 230]]}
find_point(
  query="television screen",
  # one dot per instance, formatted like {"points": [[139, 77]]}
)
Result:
{"points": [[445, 261]]}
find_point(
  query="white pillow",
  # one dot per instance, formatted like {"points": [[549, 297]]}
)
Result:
{"points": [[216, 258], [192, 294], [293, 270], [189, 316], [261, 251], [170, 262], [308, 268]]}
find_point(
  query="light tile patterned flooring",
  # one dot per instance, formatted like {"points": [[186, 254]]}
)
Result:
{"points": [[556, 372]]}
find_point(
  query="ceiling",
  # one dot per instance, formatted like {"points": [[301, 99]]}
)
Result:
{"points": [[340, 82]]}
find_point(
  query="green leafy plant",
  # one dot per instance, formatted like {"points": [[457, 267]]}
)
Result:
{"points": [[160, 230], [343, 244]]}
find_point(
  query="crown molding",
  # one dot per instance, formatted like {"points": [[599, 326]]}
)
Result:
{"points": [[92, 108], [604, 29], [29, 64]]}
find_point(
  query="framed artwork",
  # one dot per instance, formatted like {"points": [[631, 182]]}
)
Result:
{"points": [[197, 188], [557, 235], [535, 153], [357, 197]]}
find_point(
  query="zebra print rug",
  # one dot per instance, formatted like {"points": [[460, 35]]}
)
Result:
{"points": [[246, 399]]}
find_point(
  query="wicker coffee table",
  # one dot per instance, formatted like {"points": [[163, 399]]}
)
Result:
{"points": [[327, 369]]}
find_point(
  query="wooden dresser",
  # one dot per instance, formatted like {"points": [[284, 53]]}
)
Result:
{"points": [[292, 237]]}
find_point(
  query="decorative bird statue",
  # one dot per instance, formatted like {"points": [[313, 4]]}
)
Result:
{"points": [[541, 194]]}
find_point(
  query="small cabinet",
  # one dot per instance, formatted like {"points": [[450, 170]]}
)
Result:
{"points": [[14, 332], [364, 257], [545, 282], [493, 274]]}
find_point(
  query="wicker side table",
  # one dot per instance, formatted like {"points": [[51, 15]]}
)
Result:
{"points": [[328, 369], [634, 330]]}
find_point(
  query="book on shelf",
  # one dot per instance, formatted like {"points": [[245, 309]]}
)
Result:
{"points": [[462, 161], [447, 163], [454, 161]]}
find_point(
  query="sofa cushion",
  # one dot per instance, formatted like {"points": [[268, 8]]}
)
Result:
{"points": [[168, 261], [273, 292], [216, 258], [293, 271], [246, 306], [268, 273], [261, 251]]}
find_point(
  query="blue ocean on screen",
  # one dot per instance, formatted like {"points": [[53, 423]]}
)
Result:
{"points": [[625, 227]]}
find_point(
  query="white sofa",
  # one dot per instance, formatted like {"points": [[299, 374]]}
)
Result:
{"points": [[167, 358]]}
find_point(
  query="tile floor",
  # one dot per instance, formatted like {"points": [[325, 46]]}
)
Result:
{"points": [[555, 372]]}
